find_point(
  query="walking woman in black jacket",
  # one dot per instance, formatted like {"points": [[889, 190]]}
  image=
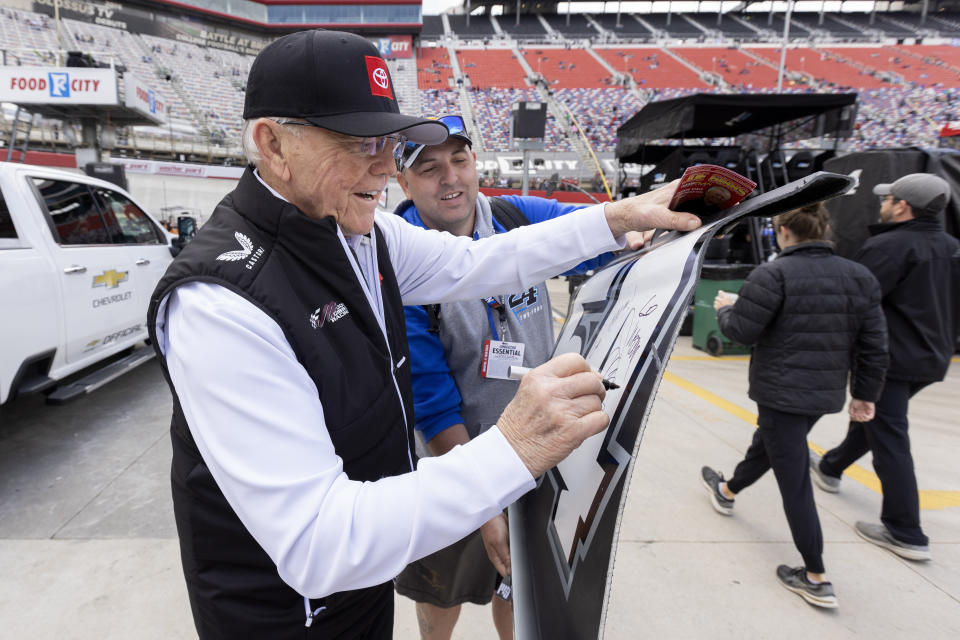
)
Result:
{"points": [[813, 320]]}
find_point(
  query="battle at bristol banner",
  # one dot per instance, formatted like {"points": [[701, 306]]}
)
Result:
{"points": [[624, 320]]}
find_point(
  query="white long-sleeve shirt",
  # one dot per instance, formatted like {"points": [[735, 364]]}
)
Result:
{"points": [[257, 420]]}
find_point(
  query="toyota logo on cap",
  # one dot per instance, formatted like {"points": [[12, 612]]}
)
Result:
{"points": [[379, 78]]}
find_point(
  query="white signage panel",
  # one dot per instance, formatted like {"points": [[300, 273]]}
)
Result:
{"points": [[141, 98], [58, 85]]}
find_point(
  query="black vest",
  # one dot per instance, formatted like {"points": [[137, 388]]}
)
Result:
{"points": [[296, 270]]}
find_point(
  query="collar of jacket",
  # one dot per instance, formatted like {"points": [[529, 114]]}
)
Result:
{"points": [[483, 226], [267, 212], [401, 208], [819, 246], [926, 223]]}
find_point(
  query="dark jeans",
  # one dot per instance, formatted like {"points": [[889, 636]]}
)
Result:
{"points": [[886, 436], [780, 442]]}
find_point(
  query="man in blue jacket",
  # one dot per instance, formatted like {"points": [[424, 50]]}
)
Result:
{"points": [[459, 385], [918, 266]]}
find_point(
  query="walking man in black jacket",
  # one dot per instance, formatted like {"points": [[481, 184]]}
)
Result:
{"points": [[918, 266], [808, 315]]}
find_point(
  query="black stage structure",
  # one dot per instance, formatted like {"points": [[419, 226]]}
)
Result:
{"points": [[755, 126]]}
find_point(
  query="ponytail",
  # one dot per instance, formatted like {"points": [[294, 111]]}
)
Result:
{"points": [[807, 223]]}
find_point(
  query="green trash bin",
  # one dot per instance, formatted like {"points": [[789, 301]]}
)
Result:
{"points": [[706, 332]]}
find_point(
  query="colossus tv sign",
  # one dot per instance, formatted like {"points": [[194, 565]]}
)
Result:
{"points": [[58, 85]]}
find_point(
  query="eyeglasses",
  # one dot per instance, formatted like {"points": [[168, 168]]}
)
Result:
{"points": [[370, 146], [455, 125], [893, 199]]}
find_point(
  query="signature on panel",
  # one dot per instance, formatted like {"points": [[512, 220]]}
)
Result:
{"points": [[633, 329]]}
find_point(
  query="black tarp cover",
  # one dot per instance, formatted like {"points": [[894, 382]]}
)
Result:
{"points": [[852, 213], [706, 115]]}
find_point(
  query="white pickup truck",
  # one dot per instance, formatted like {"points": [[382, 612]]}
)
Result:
{"points": [[79, 259]]}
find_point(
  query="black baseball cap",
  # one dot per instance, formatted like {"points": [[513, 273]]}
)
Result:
{"points": [[335, 80]]}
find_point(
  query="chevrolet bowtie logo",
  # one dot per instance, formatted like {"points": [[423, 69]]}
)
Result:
{"points": [[110, 279]]}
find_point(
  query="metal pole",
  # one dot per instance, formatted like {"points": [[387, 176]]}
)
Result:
{"points": [[568, 14], [468, 13], [783, 49], [518, 13], [13, 134], [618, 14], [56, 20], [923, 12], [525, 189]]}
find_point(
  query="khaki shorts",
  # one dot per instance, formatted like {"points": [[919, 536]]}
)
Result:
{"points": [[460, 573]]}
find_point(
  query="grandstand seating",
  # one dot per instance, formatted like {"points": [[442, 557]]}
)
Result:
{"points": [[863, 23], [130, 50], [913, 23], [758, 22], [911, 69], [567, 68], [493, 68], [433, 68], [678, 27], [776, 23], [214, 81], [735, 67], [439, 102], [841, 27], [729, 27], [432, 27], [579, 26], [404, 75], [528, 27], [950, 20], [600, 112], [651, 68], [480, 27], [491, 109], [811, 22], [629, 28], [940, 61], [906, 91], [824, 67]]}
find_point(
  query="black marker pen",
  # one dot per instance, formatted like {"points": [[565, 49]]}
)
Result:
{"points": [[516, 373]]}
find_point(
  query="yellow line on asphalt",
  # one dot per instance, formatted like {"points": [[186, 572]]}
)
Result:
{"points": [[928, 499]]}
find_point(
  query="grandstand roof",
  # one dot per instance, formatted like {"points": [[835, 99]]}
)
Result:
{"points": [[704, 115]]}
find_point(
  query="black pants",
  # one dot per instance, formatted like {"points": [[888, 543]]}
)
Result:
{"points": [[886, 436], [780, 442]]}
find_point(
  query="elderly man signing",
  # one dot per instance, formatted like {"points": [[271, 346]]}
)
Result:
{"points": [[280, 331]]}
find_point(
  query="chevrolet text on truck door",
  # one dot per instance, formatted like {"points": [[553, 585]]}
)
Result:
{"points": [[78, 261]]}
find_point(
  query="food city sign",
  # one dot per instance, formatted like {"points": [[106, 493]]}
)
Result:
{"points": [[142, 98], [58, 85]]}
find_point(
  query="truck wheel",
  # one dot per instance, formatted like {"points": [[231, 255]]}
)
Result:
{"points": [[714, 346]]}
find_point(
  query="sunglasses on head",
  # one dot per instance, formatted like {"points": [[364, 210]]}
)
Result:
{"points": [[455, 125]]}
